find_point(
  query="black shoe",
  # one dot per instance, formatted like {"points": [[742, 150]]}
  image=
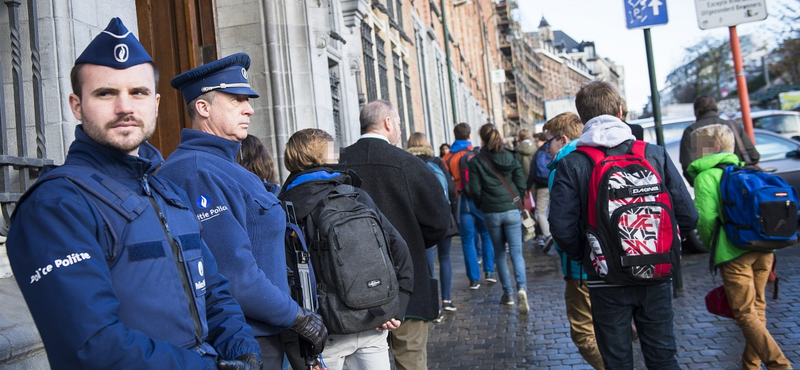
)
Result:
{"points": [[548, 244], [448, 306], [507, 300], [474, 285], [490, 277]]}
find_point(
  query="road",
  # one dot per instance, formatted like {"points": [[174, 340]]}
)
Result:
{"points": [[483, 334]]}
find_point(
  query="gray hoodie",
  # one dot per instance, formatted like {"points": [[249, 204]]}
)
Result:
{"points": [[605, 131]]}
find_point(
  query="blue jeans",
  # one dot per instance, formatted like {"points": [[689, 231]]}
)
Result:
{"points": [[506, 227], [471, 220], [650, 306], [445, 268]]}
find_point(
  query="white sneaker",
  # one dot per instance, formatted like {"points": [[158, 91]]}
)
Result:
{"points": [[522, 298]]}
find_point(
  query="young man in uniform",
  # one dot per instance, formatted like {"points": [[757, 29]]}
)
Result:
{"points": [[107, 255]]}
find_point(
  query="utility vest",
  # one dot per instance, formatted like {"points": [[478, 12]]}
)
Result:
{"points": [[155, 297]]}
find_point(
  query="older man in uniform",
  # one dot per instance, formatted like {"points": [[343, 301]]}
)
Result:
{"points": [[243, 222], [107, 255]]}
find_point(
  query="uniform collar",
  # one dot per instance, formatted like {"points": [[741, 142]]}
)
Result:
{"points": [[212, 144]]}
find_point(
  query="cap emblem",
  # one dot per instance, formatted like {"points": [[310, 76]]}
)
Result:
{"points": [[121, 53]]}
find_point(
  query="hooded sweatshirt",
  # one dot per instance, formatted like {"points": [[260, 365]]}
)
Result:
{"points": [[488, 192], [605, 131], [708, 200]]}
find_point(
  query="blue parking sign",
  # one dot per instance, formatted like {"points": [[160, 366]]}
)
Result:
{"points": [[645, 13]]}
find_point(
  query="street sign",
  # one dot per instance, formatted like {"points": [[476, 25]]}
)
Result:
{"points": [[728, 13], [646, 13], [498, 76]]}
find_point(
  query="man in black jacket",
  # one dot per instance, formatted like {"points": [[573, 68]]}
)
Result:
{"points": [[707, 113], [613, 306], [409, 194]]}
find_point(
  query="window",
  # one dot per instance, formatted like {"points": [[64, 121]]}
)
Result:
{"points": [[333, 71], [780, 123], [369, 62], [773, 147], [382, 69], [409, 105]]}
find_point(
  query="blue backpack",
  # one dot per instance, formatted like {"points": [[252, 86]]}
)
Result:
{"points": [[441, 177], [759, 209]]}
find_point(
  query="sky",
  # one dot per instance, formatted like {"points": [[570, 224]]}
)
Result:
{"points": [[603, 21]]}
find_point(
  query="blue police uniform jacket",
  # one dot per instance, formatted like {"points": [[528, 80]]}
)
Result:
{"points": [[243, 224], [103, 289]]}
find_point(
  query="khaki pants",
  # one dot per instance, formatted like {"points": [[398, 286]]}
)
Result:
{"points": [[579, 313], [409, 345], [745, 279]]}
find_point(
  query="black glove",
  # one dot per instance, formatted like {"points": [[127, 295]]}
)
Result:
{"points": [[240, 363], [309, 326]]}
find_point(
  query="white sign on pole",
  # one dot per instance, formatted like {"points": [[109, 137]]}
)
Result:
{"points": [[498, 76], [728, 13]]}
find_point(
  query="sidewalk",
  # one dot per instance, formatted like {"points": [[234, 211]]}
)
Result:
{"points": [[483, 334]]}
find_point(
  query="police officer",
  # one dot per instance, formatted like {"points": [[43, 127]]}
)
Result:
{"points": [[243, 222], [106, 254]]}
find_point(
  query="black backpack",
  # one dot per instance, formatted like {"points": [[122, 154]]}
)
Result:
{"points": [[356, 279]]}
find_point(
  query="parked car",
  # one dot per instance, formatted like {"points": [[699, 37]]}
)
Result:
{"points": [[672, 127], [778, 153], [784, 122]]}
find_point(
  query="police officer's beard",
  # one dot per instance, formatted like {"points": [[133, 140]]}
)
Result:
{"points": [[124, 143]]}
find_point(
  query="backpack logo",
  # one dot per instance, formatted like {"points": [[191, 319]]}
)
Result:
{"points": [[781, 194]]}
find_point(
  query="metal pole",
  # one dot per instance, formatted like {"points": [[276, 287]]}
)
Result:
{"points": [[648, 44], [741, 84], [449, 62]]}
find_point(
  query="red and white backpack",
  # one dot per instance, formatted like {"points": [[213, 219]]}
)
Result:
{"points": [[629, 226]]}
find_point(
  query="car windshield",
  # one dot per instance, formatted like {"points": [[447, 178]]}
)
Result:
{"points": [[779, 123], [671, 130], [773, 147]]}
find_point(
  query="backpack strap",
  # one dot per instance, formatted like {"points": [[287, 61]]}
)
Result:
{"points": [[638, 148], [514, 198]]}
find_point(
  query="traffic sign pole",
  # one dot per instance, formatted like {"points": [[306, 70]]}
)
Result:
{"points": [[648, 44], [741, 84]]}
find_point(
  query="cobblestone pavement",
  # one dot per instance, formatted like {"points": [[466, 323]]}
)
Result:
{"points": [[483, 334]]}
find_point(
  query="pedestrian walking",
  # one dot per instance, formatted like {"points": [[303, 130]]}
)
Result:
{"points": [[640, 290], [562, 134], [106, 252], [470, 219], [419, 146], [309, 152], [400, 185], [244, 221], [744, 272], [539, 172], [492, 171], [707, 113]]}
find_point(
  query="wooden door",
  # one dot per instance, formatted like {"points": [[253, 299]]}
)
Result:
{"points": [[179, 35]]}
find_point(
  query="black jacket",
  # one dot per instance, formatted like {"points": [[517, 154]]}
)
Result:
{"points": [[400, 184], [688, 155], [570, 193], [307, 195]]}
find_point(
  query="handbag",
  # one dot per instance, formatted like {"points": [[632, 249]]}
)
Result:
{"points": [[528, 225], [717, 302], [527, 201]]}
